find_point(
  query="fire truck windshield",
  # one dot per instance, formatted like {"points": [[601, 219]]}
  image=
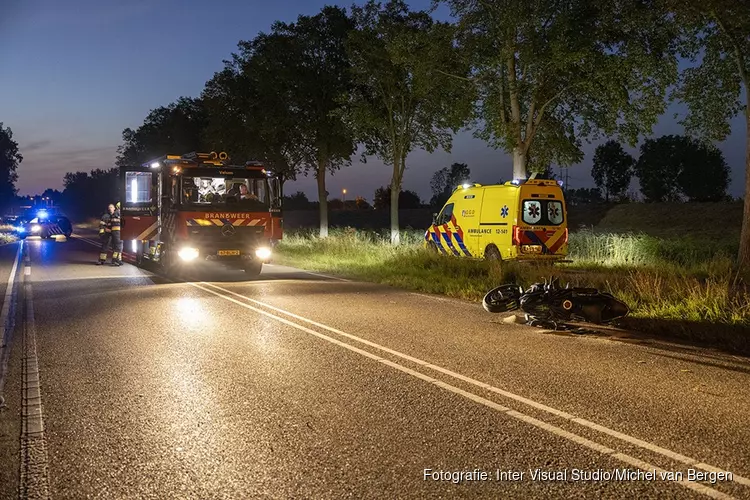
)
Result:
{"points": [[249, 194]]}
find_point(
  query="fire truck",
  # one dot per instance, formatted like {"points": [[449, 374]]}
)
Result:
{"points": [[178, 210]]}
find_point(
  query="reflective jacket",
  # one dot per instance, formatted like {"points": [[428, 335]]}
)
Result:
{"points": [[104, 224], [114, 221]]}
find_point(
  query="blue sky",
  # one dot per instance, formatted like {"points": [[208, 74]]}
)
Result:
{"points": [[76, 73]]}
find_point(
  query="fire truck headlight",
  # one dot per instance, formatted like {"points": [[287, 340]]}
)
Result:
{"points": [[263, 253], [188, 253], [36, 228]]}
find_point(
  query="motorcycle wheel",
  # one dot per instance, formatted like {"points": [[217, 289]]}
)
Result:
{"points": [[501, 299]]}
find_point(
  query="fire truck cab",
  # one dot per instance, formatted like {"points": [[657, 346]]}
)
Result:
{"points": [[178, 210]]}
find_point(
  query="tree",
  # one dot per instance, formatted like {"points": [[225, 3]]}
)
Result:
{"points": [[88, 194], [552, 73], [361, 203], [10, 158], [297, 201], [582, 196], [705, 173], [400, 101], [174, 129], [282, 90], [674, 167], [715, 31], [445, 180], [406, 199], [613, 169]]}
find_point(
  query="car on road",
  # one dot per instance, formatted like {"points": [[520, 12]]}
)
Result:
{"points": [[44, 225]]}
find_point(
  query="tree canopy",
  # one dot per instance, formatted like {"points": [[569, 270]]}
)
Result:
{"points": [[715, 37], [406, 199], [10, 158], [445, 181], [401, 99], [174, 129], [672, 168], [612, 170], [552, 73]]}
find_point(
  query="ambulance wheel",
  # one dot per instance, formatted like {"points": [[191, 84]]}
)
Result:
{"points": [[492, 253], [254, 268]]}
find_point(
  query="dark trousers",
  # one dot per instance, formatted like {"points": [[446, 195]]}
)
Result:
{"points": [[116, 247], [106, 239]]}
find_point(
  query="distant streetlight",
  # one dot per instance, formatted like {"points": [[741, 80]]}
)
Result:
{"points": [[343, 191]]}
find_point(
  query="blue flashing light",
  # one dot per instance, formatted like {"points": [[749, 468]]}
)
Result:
{"points": [[560, 183], [42, 214], [20, 229], [515, 181]]}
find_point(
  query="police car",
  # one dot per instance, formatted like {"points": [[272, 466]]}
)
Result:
{"points": [[44, 225]]}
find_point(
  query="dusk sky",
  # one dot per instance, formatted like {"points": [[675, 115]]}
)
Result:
{"points": [[76, 73]]}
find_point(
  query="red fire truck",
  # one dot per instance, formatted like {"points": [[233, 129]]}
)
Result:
{"points": [[178, 210]]}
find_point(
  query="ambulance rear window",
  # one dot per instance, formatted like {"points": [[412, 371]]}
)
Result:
{"points": [[543, 212]]}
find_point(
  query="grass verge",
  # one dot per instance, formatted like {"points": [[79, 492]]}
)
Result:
{"points": [[678, 288], [6, 234]]}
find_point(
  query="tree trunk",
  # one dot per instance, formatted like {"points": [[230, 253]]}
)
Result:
{"points": [[519, 163], [395, 191], [744, 256], [322, 198]]}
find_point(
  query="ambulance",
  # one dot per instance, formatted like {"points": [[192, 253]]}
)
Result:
{"points": [[519, 220]]}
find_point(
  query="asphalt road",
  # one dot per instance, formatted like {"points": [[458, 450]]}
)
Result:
{"points": [[123, 384]]}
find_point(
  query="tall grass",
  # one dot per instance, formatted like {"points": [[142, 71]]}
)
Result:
{"points": [[667, 279], [6, 234]]}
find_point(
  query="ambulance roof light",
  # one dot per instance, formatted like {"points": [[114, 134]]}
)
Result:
{"points": [[466, 185], [560, 183], [155, 164]]}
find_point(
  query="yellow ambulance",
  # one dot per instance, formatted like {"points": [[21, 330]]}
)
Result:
{"points": [[518, 220]]}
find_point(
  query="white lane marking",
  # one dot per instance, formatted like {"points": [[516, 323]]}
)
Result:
{"points": [[34, 472], [324, 275], [592, 445], [7, 319], [539, 406]]}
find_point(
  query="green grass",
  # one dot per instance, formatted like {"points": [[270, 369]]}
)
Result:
{"points": [[685, 280], [6, 234]]}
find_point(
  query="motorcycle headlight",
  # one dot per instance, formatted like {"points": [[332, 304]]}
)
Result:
{"points": [[263, 253], [188, 253]]}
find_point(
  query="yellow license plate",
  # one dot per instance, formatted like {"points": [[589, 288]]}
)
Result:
{"points": [[225, 253], [532, 248]]}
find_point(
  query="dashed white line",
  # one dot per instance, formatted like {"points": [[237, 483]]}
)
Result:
{"points": [[698, 487], [34, 474]]}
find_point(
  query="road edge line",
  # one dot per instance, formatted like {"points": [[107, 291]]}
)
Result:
{"points": [[8, 318]]}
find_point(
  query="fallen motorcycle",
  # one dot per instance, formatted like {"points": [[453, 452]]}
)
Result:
{"points": [[547, 304]]}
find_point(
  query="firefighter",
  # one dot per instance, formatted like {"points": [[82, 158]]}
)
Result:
{"points": [[117, 245], [105, 234]]}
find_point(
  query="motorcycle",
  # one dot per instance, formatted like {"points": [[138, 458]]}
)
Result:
{"points": [[547, 304]]}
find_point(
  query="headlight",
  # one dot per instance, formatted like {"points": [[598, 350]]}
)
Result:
{"points": [[187, 253], [263, 253], [36, 228]]}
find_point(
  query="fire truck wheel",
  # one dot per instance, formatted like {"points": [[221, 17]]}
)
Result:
{"points": [[168, 264], [253, 268]]}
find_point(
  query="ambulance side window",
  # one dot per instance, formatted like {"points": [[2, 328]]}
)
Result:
{"points": [[445, 215]]}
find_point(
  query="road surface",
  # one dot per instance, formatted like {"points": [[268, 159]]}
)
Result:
{"points": [[123, 384]]}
